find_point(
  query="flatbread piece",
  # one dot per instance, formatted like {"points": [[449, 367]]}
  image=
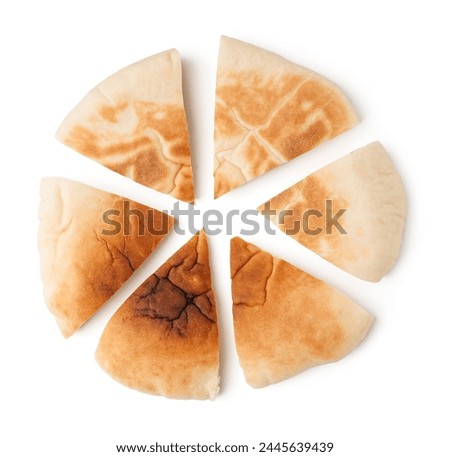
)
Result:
{"points": [[134, 123], [351, 212], [87, 252], [164, 339], [269, 111], [285, 320]]}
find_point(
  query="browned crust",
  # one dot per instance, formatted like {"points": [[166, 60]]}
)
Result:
{"points": [[286, 320], [82, 263], [164, 339], [365, 195], [311, 195], [288, 110], [139, 132]]}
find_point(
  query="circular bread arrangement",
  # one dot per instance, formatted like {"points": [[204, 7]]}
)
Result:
{"points": [[164, 339]]}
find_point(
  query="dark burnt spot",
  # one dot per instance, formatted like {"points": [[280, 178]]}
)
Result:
{"points": [[163, 301], [172, 294]]}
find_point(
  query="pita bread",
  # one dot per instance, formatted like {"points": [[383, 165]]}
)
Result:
{"points": [[268, 111], [164, 339], [285, 320], [134, 123], [366, 196], [83, 260]]}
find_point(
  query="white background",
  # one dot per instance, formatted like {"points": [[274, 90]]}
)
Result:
{"points": [[390, 396]]}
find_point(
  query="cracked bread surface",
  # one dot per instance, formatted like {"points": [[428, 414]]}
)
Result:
{"points": [[286, 320], [164, 339], [81, 267], [134, 123], [269, 111]]}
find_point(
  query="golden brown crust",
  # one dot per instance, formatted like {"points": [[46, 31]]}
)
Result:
{"points": [[365, 191], [134, 123], [84, 259], [285, 320], [164, 339], [286, 109]]}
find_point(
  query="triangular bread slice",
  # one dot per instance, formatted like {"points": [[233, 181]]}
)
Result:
{"points": [[90, 243], [134, 123], [351, 212], [164, 339], [285, 320], [268, 111]]}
